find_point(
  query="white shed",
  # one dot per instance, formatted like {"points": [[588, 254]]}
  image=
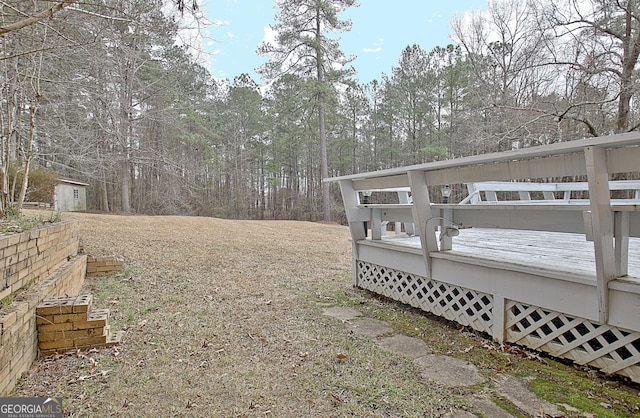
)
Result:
{"points": [[70, 196]]}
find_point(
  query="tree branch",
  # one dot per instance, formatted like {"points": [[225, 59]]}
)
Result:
{"points": [[36, 18]]}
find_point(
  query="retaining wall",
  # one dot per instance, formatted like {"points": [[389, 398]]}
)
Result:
{"points": [[37, 264]]}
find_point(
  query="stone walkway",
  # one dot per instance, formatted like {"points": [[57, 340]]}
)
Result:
{"points": [[448, 371]]}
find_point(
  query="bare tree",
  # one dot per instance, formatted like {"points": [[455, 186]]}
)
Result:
{"points": [[597, 45], [507, 53]]}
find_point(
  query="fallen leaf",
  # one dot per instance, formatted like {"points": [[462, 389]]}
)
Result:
{"points": [[341, 356], [338, 398], [605, 405]]}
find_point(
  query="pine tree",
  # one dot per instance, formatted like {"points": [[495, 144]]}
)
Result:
{"points": [[303, 47]]}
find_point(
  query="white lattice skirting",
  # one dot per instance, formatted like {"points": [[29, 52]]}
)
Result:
{"points": [[464, 306], [604, 347]]}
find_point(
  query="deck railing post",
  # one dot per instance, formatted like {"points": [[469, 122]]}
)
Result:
{"points": [[421, 210], [602, 224], [351, 200]]}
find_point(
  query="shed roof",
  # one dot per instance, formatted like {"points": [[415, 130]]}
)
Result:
{"points": [[74, 182]]}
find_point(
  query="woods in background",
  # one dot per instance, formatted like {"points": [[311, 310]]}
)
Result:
{"points": [[102, 93]]}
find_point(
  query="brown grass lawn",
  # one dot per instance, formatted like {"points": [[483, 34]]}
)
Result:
{"points": [[224, 319]]}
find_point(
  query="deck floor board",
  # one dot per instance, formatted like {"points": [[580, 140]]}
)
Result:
{"points": [[565, 252]]}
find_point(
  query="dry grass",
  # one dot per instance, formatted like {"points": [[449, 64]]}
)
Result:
{"points": [[224, 318]]}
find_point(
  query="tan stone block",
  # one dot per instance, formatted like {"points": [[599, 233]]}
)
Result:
{"points": [[8, 319], [56, 306], [115, 338], [95, 340], [98, 315], [7, 384], [70, 335], [56, 345], [78, 317], [99, 323], [12, 240], [7, 338], [82, 303], [5, 292], [44, 320], [65, 326]]}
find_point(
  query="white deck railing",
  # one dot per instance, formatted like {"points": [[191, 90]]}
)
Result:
{"points": [[515, 190], [607, 221]]}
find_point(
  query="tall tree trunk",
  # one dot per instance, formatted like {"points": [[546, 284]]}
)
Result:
{"points": [[324, 160], [33, 108], [631, 48], [124, 183]]}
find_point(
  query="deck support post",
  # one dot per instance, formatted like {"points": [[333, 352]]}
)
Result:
{"points": [[421, 211], [356, 225], [602, 225], [499, 318]]}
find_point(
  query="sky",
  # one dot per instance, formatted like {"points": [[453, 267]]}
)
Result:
{"points": [[380, 30]]}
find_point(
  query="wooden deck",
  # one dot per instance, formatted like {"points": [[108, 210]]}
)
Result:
{"points": [[531, 260], [562, 253]]}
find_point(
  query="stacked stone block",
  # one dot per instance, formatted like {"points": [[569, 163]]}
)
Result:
{"points": [[36, 254], [37, 264], [104, 266], [67, 323]]}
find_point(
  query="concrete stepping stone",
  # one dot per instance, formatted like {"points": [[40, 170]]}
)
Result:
{"points": [[369, 327], [402, 344], [459, 413], [448, 371], [342, 313], [521, 395], [487, 408]]}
